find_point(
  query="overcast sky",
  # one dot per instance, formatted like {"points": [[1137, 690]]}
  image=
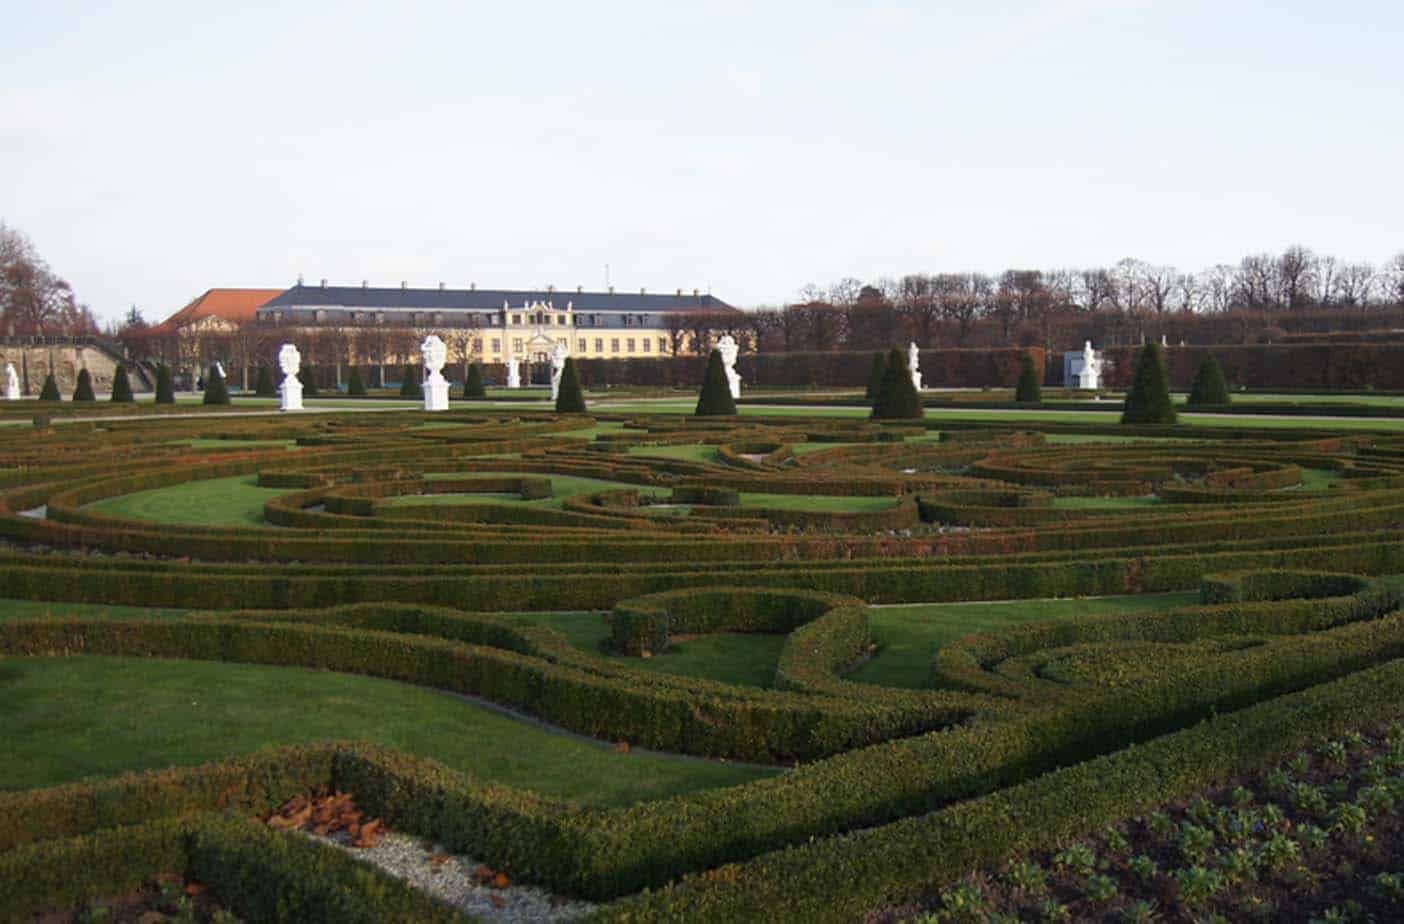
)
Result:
{"points": [[156, 149]]}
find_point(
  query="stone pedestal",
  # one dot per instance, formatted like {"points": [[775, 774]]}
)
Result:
{"points": [[436, 393], [292, 394]]}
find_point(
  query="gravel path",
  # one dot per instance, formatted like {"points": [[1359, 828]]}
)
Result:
{"points": [[450, 878]]}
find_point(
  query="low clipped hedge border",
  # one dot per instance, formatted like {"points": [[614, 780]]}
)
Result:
{"points": [[256, 872]]}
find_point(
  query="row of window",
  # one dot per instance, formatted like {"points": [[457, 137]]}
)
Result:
{"points": [[540, 318], [631, 345]]}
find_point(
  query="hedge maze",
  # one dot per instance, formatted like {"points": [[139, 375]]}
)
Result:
{"points": [[416, 550]]}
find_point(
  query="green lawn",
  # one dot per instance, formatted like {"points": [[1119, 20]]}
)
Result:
{"points": [[817, 502], [908, 636], [67, 719], [1103, 503], [691, 452], [233, 501], [34, 609], [202, 443]]}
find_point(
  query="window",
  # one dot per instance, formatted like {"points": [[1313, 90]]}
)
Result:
{"points": [[614, 345], [627, 320], [321, 316], [662, 345], [647, 343], [489, 319], [516, 319], [581, 345], [496, 345], [599, 345], [643, 320], [477, 346], [561, 319], [630, 344], [517, 345], [380, 317]]}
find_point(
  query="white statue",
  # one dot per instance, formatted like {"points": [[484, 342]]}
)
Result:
{"points": [[11, 383], [726, 346], [1089, 377], [436, 387], [219, 368], [558, 358], [514, 373], [913, 360], [289, 361]]}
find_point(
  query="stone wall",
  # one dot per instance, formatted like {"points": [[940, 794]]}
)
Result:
{"points": [[35, 362]]}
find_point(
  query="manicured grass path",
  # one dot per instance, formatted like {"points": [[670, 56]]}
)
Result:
{"points": [[235, 501], [67, 719]]}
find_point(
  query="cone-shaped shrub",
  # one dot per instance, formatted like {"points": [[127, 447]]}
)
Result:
{"points": [[165, 389], [897, 397], [1030, 387], [121, 386], [570, 399], [50, 390], [411, 384], [875, 376], [308, 377], [354, 386], [474, 388], [264, 387], [83, 388], [1209, 388], [1148, 400], [216, 391], [715, 399]]}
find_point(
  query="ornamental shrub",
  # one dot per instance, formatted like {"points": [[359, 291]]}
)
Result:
{"points": [[50, 390], [354, 386], [264, 387], [715, 399], [897, 397], [1148, 400], [473, 388], [1209, 388], [308, 377], [216, 391], [83, 389], [1030, 387], [875, 376], [121, 386], [165, 390], [569, 398], [411, 386]]}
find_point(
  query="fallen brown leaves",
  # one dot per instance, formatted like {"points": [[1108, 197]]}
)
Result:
{"points": [[485, 875], [326, 816]]}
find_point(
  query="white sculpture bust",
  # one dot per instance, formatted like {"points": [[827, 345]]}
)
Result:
{"points": [[726, 346], [435, 354], [558, 358], [913, 364], [12, 389], [289, 361]]}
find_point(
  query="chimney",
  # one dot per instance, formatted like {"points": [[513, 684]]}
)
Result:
{"points": [[403, 285], [299, 279], [441, 287], [679, 292], [365, 283], [579, 289], [611, 290], [694, 293], [324, 283], [472, 287], [642, 291], [550, 290]]}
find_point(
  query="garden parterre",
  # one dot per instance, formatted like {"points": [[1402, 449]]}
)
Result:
{"points": [[388, 549]]}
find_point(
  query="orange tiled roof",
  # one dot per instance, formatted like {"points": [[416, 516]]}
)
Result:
{"points": [[237, 306]]}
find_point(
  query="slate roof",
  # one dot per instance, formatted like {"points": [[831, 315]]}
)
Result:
{"points": [[304, 296]]}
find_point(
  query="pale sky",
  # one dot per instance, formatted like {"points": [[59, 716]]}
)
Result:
{"points": [[156, 149]]}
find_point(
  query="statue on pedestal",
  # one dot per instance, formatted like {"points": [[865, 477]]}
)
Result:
{"points": [[12, 389], [726, 346], [436, 387], [913, 363], [558, 358], [1089, 377], [289, 361], [514, 373]]}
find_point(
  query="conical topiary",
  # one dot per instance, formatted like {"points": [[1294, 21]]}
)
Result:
{"points": [[50, 390], [570, 399], [897, 397], [715, 399], [1148, 400], [216, 390], [121, 386], [1030, 387], [411, 386], [264, 387], [875, 376], [1209, 388], [83, 388], [308, 377], [354, 386], [165, 389], [474, 388]]}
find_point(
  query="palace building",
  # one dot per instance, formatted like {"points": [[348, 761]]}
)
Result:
{"points": [[506, 324]]}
